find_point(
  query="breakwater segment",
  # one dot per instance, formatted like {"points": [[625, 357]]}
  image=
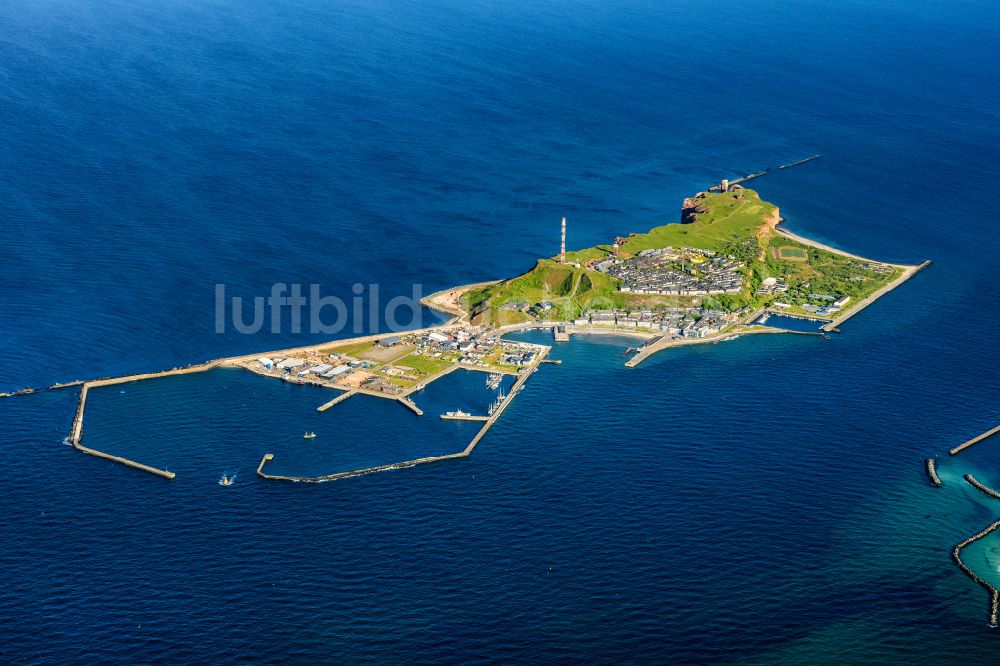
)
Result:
{"points": [[956, 555]]}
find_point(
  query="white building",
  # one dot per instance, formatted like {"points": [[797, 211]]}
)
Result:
{"points": [[290, 363]]}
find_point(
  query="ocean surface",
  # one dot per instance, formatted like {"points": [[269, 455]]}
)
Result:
{"points": [[760, 500]]}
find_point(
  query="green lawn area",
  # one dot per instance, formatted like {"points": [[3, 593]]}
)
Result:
{"points": [[353, 349], [728, 218], [425, 365]]}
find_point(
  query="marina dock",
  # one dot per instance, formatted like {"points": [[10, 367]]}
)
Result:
{"points": [[974, 440]]}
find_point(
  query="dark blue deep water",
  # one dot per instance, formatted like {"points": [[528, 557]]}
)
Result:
{"points": [[759, 500]]}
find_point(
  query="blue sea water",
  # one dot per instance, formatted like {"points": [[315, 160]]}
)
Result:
{"points": [[758, 501]]}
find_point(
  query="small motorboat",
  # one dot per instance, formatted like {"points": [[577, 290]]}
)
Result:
{"points": [[227, 480], [309, 435]]}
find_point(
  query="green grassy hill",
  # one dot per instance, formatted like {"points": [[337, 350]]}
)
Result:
{"points": [[736, 223]]}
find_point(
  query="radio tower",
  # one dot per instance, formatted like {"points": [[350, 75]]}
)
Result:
{"points": [[562, 251]]}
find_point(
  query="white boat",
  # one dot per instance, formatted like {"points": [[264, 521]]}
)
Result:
{"points": [[227, 480], [309, 435], [457, 412]]}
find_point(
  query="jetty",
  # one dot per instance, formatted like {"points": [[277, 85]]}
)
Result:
{"points": [[975, 440], [410, 404], [729, 183], [930, 465], [794, 164], [340, 398], [956, 555]]}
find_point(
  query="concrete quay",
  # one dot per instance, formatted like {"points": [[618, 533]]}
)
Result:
{"points": [[406, 402]]}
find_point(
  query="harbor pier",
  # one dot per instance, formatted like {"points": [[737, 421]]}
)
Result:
{"points": [[410, 404], [975, 440], [340, 398]]}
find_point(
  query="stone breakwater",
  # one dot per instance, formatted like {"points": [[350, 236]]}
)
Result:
{"points": [[981, 487], [956, 555], [931, 466]]}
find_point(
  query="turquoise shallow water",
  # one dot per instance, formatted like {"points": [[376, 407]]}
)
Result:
{"points": [[759, 501]]}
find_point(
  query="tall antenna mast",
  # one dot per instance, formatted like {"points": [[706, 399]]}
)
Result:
{"points": [[562, 251]]}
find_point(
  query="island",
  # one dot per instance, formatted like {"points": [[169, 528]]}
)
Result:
{"points": [[721, 272], [724, 270]]}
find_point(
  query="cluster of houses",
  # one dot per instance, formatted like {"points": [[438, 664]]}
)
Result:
{"points": [[538, 310], [673, 322], [669, 271]]}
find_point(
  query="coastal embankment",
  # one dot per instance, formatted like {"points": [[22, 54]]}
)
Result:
{"points": [[908, 272]]}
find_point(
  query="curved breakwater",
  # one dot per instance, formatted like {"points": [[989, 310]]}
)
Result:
{"points": [[956, 555], [930, 465], [982, 487]]}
